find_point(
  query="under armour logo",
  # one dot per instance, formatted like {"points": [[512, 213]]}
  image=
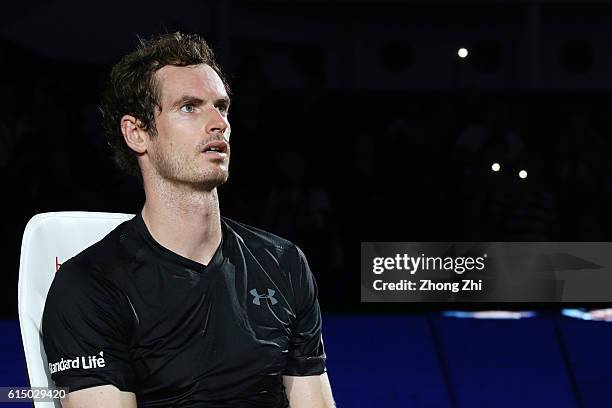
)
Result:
{"points": [[257, 296]]}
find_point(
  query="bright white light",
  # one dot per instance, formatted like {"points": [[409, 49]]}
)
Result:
{"points": [[495, 167], [463, 52], [523, 174]]}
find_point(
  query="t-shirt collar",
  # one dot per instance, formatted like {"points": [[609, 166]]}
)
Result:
{"points": [[169, 255]]}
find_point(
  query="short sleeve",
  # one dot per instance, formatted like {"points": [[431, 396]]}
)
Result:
{"points": [[85, 331], [306, 353]]}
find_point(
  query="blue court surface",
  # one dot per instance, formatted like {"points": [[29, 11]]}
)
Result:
{"points": [[427, 360]]}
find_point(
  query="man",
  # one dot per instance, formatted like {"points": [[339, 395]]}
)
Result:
{"points": [[180, 306]]}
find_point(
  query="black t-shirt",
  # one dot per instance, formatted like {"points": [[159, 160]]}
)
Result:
{"points": [[131, 313]]}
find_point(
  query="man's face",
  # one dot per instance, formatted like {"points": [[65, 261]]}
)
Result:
{"points": [[192, 142]]}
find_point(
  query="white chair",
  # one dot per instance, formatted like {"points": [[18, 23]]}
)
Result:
{"points": [[50, 239]]}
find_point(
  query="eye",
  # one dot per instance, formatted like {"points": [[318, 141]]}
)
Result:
{"points": [[187, 108], [222, 108]]}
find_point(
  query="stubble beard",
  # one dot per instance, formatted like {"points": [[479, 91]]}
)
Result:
{"points": [[185, 172]]}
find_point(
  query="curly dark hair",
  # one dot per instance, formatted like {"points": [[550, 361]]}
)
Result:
{"points": [[132, 88]]}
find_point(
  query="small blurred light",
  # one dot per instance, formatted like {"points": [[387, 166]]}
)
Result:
{"points": [[495, 167], [523, 174], [463, 52], [601, 315], [490, 314]]}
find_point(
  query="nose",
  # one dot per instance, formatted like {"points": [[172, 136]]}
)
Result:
{"points": [[217, 123]]}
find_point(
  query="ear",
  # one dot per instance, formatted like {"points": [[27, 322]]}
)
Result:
{"points": [[135, 137]]}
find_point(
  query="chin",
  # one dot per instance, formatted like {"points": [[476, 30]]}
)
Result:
{"points": [[211, 181]]}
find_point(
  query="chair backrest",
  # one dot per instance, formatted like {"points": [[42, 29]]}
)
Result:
{"points": [[50, 239]]}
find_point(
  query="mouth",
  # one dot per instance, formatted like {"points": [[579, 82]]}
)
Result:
{"points": [[217, 149]]}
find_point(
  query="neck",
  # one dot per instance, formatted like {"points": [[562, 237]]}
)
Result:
{"points": [[184, 220]]}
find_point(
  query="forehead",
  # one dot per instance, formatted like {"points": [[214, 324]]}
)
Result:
{"points": [[197, 80]]}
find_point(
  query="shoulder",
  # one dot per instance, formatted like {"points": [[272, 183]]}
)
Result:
{"points": [[270, 249], [94, 274], [257, 239], [281, 258]]}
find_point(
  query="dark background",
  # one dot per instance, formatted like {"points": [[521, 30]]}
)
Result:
{"points": [[353, 121]]}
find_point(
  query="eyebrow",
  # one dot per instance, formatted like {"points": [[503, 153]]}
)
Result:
{"points": [[196, 101]]}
